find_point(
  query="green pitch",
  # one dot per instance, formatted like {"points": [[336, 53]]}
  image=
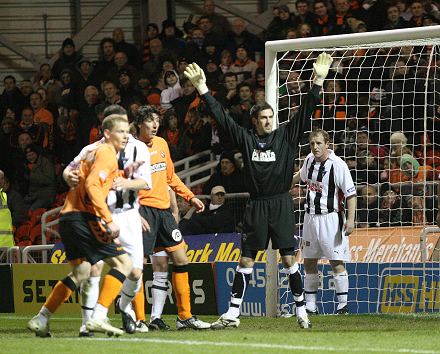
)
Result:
{"points": [[334, 334]]}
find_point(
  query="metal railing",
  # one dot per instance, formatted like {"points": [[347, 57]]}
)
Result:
{"points": [[7, 254], [28, 257], [185, 169]]}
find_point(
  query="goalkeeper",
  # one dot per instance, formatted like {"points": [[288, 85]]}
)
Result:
{"points": [[268, 160]]}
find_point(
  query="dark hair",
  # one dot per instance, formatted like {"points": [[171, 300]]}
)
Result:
{"points": [[114, 109], [244, 84], [105, 40], [256, 109], [33, 148], [9, 77], [229, 74], [146, 113], [204, 17], [37, 93]]}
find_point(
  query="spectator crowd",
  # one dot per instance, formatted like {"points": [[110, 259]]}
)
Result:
{"points": [[373, 105]]}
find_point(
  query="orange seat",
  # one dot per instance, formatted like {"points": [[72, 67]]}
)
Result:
{"points": [[35, 235], [35, 216]]}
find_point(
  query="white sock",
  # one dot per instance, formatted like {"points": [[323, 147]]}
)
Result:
{"points": [[89, 296], [311, 284], [159, 292], [129, 289], [100, 312], [341, 286], [300, 310], [44, 314]]}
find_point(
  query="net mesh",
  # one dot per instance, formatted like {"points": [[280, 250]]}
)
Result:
{"points": [[381, 107]]}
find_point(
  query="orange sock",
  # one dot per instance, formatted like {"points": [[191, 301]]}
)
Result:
{"points": [[60, 293], [111, 287], [181, 290], [138, 304]]}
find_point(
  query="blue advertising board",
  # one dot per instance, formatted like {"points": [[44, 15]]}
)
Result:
{"points": [[373, 288]]}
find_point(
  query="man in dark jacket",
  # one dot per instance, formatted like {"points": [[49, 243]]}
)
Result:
{"points": [[11, 97], [227, 175], [69, 59], [216, 218]]}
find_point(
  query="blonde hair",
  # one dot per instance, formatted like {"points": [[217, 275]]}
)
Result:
{"points": [[112, 120], [398, 137]]}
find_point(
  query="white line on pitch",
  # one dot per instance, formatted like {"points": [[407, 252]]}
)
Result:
{"points": [[257, 345]]}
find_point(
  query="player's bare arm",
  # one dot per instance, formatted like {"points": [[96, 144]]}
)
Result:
{"points": [[198, 204], [295, 180], [351, 209], [145, 225], [71, 176], [121, 183], [173, 206]]}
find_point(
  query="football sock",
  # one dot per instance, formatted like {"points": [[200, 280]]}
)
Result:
{"points": [[311, 284], [60, 293], [341, 286], [159, 292], [296, 286], [181, 290], [89, 296], [129, 289], [111, 287], [139, 303], [44, 314], [241, 282]]}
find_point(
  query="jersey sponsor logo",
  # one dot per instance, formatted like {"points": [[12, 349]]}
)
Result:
{"points": [[263, 156], [315, 186], [176, 235], [157, 167], [351, 190]]}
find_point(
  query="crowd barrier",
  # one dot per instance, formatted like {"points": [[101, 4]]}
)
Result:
{"points": [[387, 275]]}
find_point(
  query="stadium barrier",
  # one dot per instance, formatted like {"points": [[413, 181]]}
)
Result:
{"points": [[374, 288], [25, 288]]}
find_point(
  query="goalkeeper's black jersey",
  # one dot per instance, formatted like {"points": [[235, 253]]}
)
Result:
{"points": [[268, 161]]}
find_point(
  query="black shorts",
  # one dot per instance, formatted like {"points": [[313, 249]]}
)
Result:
{"points": [[269, 218], [80, 234], [164, 232]]}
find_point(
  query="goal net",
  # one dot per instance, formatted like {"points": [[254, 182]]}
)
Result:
{"points": [[381, 106]]}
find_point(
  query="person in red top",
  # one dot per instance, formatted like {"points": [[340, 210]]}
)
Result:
{"points": [[161, 232], [88, 233]]}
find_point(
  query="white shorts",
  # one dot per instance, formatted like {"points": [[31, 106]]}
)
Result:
{"points": [[323, 237], [130, 235]]}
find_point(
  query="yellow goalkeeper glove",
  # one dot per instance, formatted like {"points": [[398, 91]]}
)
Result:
{"points": [[197, 77], [321, 68]]}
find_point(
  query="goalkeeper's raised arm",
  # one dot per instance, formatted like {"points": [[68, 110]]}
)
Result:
{"points": [[320, 70]]}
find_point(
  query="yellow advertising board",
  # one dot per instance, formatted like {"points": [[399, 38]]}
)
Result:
{"points": [[33, 284]]}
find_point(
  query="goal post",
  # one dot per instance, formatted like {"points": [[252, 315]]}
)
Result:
{"points": [[423, 99]]}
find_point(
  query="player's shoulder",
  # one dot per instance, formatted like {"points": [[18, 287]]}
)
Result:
{"points": [[309, 157], [336, 159], [159, 141], [105, 149]]}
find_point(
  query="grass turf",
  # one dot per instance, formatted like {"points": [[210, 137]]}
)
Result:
{"points": [[336, 334]]}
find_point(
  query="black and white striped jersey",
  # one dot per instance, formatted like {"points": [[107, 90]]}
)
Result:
{"points": [[327, 184]]}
